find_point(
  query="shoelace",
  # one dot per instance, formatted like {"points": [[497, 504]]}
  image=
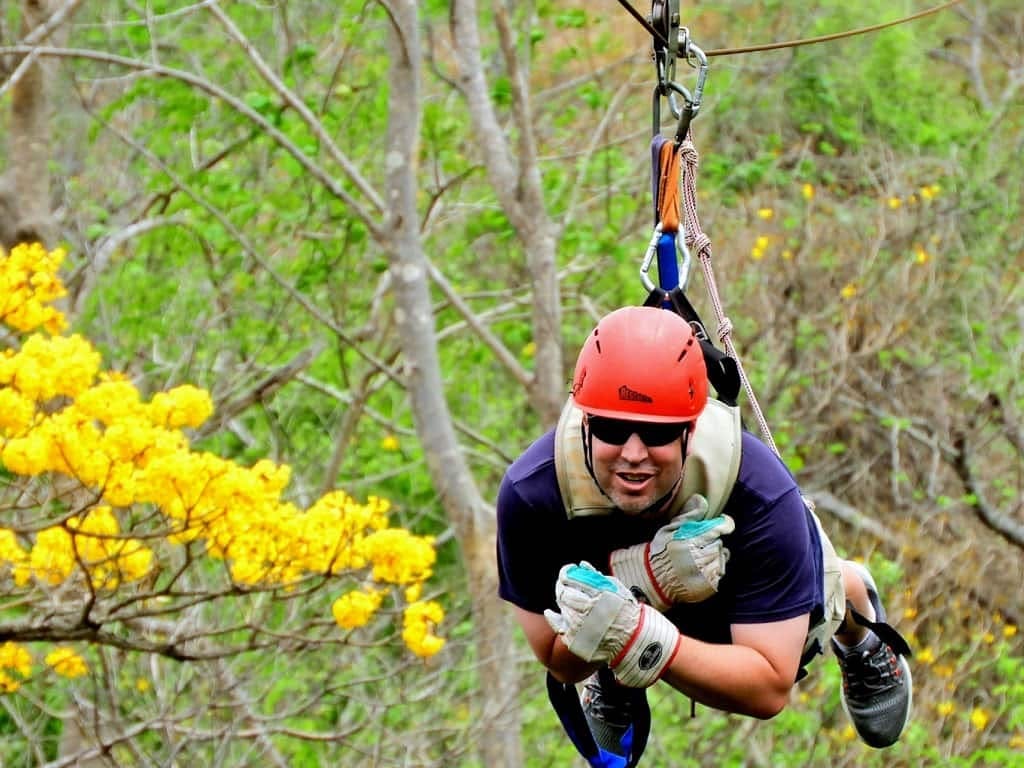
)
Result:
{"points": [[871, 671]]}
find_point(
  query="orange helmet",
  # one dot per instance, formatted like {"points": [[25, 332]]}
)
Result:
{"points": [[641, 364]]}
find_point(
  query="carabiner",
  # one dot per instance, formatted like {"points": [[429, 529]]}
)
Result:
{"points": [[691, 51], [670, 90], [652, 251]]}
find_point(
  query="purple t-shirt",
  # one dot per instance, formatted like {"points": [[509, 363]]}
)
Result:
{"points": [[774, 572]]}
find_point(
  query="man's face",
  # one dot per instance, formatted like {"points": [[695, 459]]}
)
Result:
{"points": [[632, 473]]}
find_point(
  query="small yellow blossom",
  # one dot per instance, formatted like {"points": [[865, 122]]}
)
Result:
{"points": [[911, 199], [14, 656], [8, 684], [787, 255], [988, 638], [926, 656], [355, 609], [894, 203], [945, 708], [413, 593], [979, 718], [943, 670], [389, 443], [1010, 630], [910, 612], [397, 556], [848, 734], [807, 191], [848, 291], [760, 246], [529, 349], [184, 406], [930, 191], [66, 663], [1016, 742], [765, 214], [142, 684], [419, 622], [921, 256]]}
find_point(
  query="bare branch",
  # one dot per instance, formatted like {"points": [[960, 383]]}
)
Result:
{"points": [[505, 357], [1012, 530], [262, 391], [300, 107], [155, 70]]}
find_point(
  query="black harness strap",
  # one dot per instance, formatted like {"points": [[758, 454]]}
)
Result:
{"points": [[723, 373]]}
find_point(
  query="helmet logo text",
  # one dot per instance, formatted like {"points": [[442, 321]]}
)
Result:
{"points": [[625, 393]]}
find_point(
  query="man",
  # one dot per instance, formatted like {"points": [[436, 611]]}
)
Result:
{"points": [[614, 531]]}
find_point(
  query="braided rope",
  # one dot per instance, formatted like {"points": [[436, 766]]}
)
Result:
{"points": [[701, 243]]}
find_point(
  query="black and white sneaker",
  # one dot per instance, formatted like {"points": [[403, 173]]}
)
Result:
{"points": [[608, 708], [877, 687]]}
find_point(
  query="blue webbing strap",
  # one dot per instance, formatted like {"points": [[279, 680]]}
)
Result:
{"points": [[566, 702], [668, 267]]}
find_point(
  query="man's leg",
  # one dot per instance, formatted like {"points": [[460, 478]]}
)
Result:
{"points": [[877, 687]]}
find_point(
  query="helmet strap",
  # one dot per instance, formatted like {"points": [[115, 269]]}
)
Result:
{"points": [[588, 455]]}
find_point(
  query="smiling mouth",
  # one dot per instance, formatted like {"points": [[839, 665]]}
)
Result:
{"points": [[632, 478]]}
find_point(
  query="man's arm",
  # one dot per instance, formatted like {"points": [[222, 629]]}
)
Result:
{"points": [[752, 676], [564, 665]]}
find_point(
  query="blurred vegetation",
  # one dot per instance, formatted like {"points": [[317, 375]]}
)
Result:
{"points": [[864, 202]]}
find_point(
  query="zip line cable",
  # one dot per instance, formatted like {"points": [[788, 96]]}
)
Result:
{"points": [[646, 24]]}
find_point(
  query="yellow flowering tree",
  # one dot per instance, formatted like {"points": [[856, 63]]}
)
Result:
{"points": [[117, 532]]}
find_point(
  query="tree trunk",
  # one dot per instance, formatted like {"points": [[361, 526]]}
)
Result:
{"points": [[472, 520], [25, 198], [517, 182]]}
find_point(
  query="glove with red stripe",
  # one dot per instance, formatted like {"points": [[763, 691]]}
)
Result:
{"points": [[684, 561], [601, 621]]}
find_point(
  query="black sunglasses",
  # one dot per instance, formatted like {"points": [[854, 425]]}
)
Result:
{"points": [[618, 431]]}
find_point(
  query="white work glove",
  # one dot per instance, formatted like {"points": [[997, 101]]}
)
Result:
{"points": [[601, 621], [684, 561]]}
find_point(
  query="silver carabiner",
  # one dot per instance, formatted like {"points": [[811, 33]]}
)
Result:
{"points": [[645, 265], [689, 50]]}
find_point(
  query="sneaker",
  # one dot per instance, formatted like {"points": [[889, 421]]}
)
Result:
{"points": [[608, 708], [877, 687]]}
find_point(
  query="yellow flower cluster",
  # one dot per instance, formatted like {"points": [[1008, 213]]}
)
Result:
{"points": [[418, 625], [60, 414], [356, 608], [66, 663], [13, 658], [28, 285], [92, 540]]}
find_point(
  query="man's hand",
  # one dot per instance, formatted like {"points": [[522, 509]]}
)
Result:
{"points": [[600, 621], [684, 561]]}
